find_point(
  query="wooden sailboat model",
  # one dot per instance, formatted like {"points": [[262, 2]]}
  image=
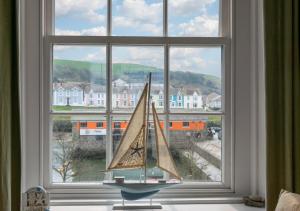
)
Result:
{"points": [[132, 152]]}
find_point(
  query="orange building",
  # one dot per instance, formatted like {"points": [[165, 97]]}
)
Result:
{"points": [[93, 127]]}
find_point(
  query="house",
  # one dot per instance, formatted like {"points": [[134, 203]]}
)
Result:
{"points": [[185, 98], [119, 83], [68, 94], [213, 101], [192, 99], [157, 96], [95, 96]]}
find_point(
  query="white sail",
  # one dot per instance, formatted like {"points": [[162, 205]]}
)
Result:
{"points": [[131, 150], [164, 157]]}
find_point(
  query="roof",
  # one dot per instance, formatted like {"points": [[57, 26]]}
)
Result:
{"points": [[183, 91], [211, 96]]}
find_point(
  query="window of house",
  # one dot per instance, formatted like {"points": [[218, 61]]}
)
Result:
{"points": [[112, 46]]}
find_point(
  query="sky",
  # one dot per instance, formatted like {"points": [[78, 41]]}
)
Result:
{"points": [[141, 18]]}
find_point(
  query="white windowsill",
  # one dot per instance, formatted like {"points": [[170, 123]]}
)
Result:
{"points": [[189, 207]]}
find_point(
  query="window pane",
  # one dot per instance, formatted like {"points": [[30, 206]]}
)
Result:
{"points": [[79, 78], [193, 18], [80, 17], [78, 149], [153, 172], [137, 18], [196, 147], [195, 79], [131, 66]]}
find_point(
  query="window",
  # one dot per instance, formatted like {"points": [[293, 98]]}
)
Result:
{"points": [[185, 124], [117, 125], [110, 49], [83, 125], [99, 124]]}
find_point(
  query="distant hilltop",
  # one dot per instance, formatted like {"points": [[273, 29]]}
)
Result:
{"points": [[91, 72]]}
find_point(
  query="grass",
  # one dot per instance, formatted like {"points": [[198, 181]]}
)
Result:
{"points": [[74, 108], [92, 66], [214, 118], [118, 68]]}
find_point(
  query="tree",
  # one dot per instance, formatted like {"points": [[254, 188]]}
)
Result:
{"points": [[64, 149], [83, 86], [64, 157]]}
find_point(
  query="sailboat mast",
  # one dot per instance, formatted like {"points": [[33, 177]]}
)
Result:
{"points": [[147, 125]]}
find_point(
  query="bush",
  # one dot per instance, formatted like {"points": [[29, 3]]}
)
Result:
{"points": [[62, 126]]}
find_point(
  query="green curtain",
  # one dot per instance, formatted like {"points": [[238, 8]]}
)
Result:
{"points": [[282, 97], [10, 168]]}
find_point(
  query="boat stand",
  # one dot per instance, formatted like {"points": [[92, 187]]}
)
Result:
{"points": [[137, 206]]}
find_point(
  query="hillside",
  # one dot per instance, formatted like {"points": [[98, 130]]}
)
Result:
{"points": [[67, 70]]}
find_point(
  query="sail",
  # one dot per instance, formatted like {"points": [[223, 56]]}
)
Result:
{"points": [[164, 157], [131, 150]]}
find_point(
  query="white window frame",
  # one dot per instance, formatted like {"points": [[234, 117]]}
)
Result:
{"points": [[35, 98]]}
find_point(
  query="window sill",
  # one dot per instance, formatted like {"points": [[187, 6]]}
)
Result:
{"points": [[190, 207]]}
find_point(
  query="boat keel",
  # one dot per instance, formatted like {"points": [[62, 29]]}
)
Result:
{"points": [[136, 196]]}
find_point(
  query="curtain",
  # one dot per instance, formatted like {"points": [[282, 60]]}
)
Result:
{"points": [[10, 168], [281, 19]]}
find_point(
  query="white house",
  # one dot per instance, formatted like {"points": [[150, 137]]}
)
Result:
{"points": [[215, 103], [193, 99], [95, 96], [157, 96], [67, 94]]}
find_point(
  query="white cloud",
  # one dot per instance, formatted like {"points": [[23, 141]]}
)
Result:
{"points": [[80, 9], [186, 59], [150, 56], [98, 56], [194, 60], [139, 15], [96, 31], [200, 25], [61, 47], [120, 21], [141, 11], [188, 7]]}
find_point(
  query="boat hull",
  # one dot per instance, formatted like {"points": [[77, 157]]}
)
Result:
{"points": [[135, 191], [136, 196]]}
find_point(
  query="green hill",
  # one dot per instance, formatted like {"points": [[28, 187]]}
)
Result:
{"points": [[90, 72]]}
